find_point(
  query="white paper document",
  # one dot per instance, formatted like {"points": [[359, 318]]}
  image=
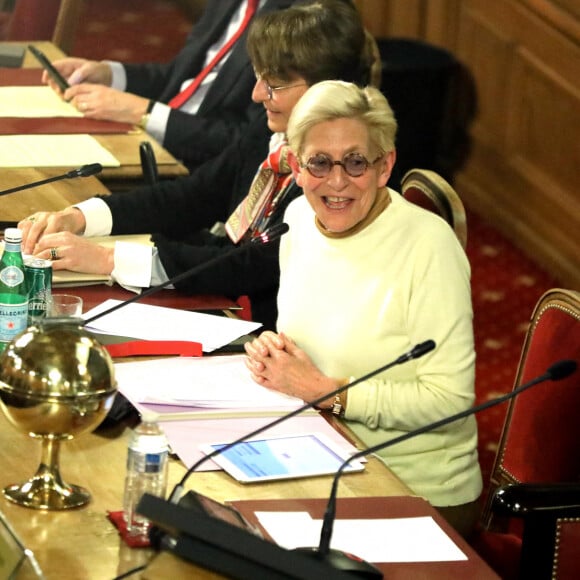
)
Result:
{"points": [[417, 539], [36, 101], [159, 323], [218, 382], [53, 151]]}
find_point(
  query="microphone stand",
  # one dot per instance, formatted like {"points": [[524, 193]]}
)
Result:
{"points": [[221, 546], [84, 171], [556, 372]]}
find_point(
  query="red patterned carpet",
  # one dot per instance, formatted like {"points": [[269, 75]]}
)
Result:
{"points": [[131, 30], [506, 284]]}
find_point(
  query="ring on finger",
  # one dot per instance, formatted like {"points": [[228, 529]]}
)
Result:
{"points": [[54, 253], [31, 219]]}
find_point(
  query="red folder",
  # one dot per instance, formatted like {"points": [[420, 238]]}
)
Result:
{"points": [[59, 126], [20, 77], [473, 568], [154, 348]]}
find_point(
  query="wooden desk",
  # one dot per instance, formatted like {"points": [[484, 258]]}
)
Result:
{"points": [[50, 197], [125, 146], [82, 544]]}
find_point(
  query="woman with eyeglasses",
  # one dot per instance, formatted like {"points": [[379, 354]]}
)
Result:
{"points": [[366, 276], [290, 50]]}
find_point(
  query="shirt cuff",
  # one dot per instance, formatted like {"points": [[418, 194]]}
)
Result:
{"points": [[119, 80], [157, 122], [132, 268], [98, 217]]}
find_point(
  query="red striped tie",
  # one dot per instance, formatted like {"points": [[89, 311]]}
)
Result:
{"points": [[182, 97]]}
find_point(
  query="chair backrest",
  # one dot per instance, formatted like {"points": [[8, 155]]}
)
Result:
{"points": [[430, 191], [434, 99], [54, 20], [540, 440], [67, 21]]}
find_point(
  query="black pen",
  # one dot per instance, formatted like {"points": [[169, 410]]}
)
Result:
{"points": [[47, 66]]}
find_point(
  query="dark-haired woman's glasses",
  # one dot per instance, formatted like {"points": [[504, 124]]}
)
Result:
{"points": [[270, 90], [354, 164]]}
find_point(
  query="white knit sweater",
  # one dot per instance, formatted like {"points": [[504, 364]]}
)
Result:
{"points": [[356, 303]]}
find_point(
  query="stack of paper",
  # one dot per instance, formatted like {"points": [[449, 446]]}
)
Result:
{"points": [[210, 400], [199, 387]]}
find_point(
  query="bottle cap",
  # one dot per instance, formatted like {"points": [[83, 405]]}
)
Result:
{"points": [[13, 235], [148, 416]]}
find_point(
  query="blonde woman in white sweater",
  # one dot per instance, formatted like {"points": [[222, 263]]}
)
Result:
{"points": [[365, 276]]}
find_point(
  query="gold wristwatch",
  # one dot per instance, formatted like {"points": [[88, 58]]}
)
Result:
{"points": [[145, 118]]}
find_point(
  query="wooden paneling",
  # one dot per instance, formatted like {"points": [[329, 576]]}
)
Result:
{"points": [[385, 18], [524, 170]]}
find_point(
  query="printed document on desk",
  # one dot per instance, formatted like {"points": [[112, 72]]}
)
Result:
{"points": [[414, 539], [185, 387], [35, 102], [53, 151], [209, 399], [159, 323]]}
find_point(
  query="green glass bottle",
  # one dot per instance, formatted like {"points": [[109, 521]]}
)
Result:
{"points": [[13, 291]]}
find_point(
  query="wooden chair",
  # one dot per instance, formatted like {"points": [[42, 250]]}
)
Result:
{"points": [[430, 191], [54, 20], [539, 445], [67, 21]]}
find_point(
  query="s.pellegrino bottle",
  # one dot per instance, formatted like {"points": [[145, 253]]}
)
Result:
{"points": [[13, 290], [147, 458]]}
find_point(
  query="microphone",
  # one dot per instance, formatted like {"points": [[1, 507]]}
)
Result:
{"points": [[222, 546], [84, 171], [336, 558], [267, 237]]}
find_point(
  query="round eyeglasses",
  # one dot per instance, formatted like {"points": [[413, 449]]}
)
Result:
{"points": [[354, 164], [270, 89]]}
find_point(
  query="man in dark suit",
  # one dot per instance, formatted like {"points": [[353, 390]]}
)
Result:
{"points": [[217, 114]]}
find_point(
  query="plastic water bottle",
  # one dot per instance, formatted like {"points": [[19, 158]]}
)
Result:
{"points": [[13, 289], [146, 471]]}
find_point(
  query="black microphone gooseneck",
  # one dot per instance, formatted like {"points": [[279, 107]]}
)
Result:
{"points": [[556, 372], [268, 236], [417, 351], [84, 171]]}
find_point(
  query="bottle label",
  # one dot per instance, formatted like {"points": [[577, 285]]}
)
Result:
{"points": [[13, 320], [11, 276], [147, 462]]}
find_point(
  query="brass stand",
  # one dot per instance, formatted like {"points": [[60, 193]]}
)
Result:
{"points": [[46, 490]]}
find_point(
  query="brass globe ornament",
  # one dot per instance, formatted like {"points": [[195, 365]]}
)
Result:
{"points": [[56, 382]]}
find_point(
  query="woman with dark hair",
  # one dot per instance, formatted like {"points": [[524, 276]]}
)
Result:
{"points": [[290, 50]]}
